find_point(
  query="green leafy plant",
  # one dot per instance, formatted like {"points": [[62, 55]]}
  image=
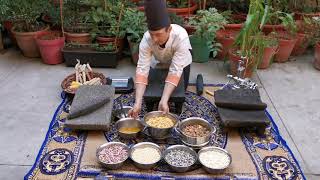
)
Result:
{"points": [[311, 26], [106, 20], [27, 13], [285, 19], [178, 3], [249, 39], [175, 19], [136, 26], [4, 10], [104, 48], [207, 23], [305, 6], [235, 6], [75, 16]]}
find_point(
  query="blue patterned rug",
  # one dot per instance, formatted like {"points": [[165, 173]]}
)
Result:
{"points": [[65, 154]]}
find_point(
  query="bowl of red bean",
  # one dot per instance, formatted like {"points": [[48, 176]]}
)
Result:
{"points": [[195, 131], [112, 154]]}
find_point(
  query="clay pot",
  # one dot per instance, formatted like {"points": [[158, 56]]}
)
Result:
{"points": [[268, 54], [234, 60], [286, 45], [299, 15], [184, 11], [27, 43], [233, 27], [301, 45], [179, 11], [107, 40], [79, 38], [50, 45], [226, 38], [269, 28]]}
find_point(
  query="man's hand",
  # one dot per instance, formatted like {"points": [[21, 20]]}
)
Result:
{"points": [[134, 112], [163, 106]]}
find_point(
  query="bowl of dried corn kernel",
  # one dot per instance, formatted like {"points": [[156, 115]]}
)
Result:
{"points": [[160, 125]]}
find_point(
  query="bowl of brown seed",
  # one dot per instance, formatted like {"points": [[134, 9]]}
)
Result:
{"points": [[195, 131]]}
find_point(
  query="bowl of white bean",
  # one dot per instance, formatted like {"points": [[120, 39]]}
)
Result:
{"points": [[145, 155], [214, 159], [160, 125]]}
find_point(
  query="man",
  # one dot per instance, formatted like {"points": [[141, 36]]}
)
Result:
{"points": [[165, 45]]}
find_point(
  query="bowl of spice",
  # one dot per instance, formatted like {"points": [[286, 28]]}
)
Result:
{"points": [[160, 125], [112, 155], [214, 159], [128, 128], [180, 157], [195, 131], [145, 155]]}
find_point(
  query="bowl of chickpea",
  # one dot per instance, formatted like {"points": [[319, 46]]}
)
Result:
{"points": [[160, 125]]}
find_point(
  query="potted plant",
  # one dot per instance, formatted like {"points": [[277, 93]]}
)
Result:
{"points": [[237, 7], [314, 34], [108, 26], [182, 7], [250, 49], [304, 8], [4, 8], [270, 48], [136, 27], [203, 41], [75, 22], [26, 26], [235, 21], [227, 39], [50, 44], [287, 37], [179, 7], [94, 54]]}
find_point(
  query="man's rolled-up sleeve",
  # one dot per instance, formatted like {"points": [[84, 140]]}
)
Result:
{"points": [[182, 57], [144, 62]]}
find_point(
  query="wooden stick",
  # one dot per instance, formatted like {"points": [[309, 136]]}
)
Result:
{"points": [[61, 17], [118, 28], [210, 93]]}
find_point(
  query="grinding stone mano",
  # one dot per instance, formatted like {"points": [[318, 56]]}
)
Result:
{"points": [[244, 99], [243, 118], [88, 99], [91, 108]]}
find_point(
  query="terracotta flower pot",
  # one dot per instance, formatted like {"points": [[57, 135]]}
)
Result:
{"points": [[184, 11], [299, 15], [269, 28], [301, 45], [226, 38], [50, 45], [27, 43], [233, 27], [79, 38], [268, 54], [234, 61], [179, 11], [316, 61], [286, 46], [107, 40]]}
